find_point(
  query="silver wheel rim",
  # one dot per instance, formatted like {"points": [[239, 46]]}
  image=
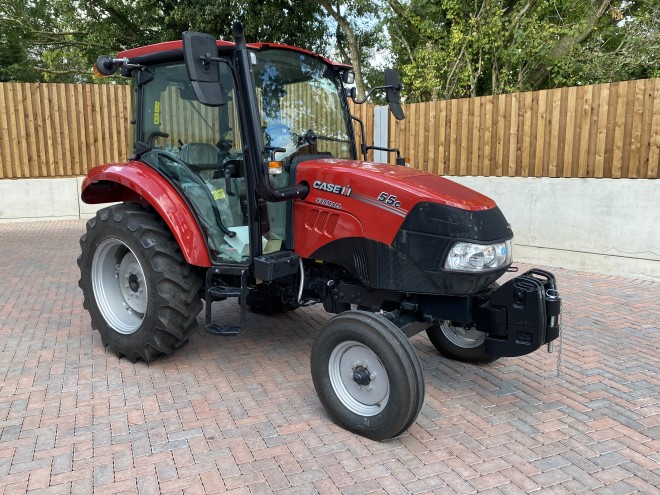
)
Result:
{"points": [[119, 286], [462, 337], [347, 359]]}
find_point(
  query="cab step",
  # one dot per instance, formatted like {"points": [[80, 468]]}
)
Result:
{"points": [[220, 293]]}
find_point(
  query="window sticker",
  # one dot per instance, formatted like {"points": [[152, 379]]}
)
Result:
{"points": [[157, 112], [218, 194]]}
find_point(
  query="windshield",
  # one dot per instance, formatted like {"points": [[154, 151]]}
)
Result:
{"points": [[300, 105]]}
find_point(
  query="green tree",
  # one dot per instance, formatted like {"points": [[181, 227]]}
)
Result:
{"points": [[459, 48], [358, 37], [60, 39], [17, 59]]}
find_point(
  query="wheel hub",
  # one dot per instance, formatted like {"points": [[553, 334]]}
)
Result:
{"points": [[133, 282], [359, 378], [119, 286], [361, 375]]}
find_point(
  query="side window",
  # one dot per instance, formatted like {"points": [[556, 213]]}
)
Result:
{"points": [[198, 148]]}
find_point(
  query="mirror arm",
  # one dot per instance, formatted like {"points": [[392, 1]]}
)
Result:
{"points": [[372, 90], [127, 65], [207, 58]]}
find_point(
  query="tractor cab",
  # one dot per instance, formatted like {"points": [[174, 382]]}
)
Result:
{"points": [[202, 149]]}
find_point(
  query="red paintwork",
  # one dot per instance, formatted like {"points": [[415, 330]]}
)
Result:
{"points": [[308, 237], [178, 45], [141, 181], [363, 214]]}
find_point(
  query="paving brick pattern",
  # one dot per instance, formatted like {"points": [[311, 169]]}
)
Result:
{"points": [[240, 415]]}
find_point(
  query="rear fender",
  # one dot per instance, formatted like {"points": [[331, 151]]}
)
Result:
{"points": [[135, 182]]}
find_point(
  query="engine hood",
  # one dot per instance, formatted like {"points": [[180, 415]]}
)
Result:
{"points": [[372, 200], [370, 179]]}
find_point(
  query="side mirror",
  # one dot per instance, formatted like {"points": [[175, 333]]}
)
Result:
{"points": [[348, 77], [200, 54], [393, 93], [105, 66]]}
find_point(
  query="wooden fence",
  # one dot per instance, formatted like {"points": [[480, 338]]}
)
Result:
{"points": [[605, 130], [608, 130], [56, 130]]}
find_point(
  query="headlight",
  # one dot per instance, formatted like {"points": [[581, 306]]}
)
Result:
{"points": [[468, 257]]}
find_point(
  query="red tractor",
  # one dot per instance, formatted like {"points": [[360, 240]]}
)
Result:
{"points": [[245, 184]]}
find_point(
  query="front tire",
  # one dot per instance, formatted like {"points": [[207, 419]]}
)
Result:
{"points": [[141, 294], [367, 375]]}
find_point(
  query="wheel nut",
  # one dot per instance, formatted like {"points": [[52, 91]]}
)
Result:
{"points": [[369, 388], [372, 376]]}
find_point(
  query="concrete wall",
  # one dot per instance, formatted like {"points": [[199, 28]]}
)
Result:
{"points": [[603, 225], [608, 226], [39, 199]]}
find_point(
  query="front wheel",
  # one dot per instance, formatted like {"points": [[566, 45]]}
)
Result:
{"points": [[367, 375], [141, 294]]}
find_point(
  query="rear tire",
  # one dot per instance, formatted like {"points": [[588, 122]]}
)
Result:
{"points": [[367, 375], [141, 294]]}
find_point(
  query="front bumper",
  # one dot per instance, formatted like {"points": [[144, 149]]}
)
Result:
{"points": [[521, 315]]}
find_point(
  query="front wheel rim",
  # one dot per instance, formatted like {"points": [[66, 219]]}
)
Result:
{"points": [[359, 378], [119, 286], [465, 338]]}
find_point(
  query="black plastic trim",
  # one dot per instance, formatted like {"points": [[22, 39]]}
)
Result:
{"points": [[379, 266], [483, 226]]}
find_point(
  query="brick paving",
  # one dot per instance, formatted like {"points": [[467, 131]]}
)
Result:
{"points": [[240, 414]]}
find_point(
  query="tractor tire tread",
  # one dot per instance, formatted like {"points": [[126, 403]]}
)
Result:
{"points": [[177, 284]]}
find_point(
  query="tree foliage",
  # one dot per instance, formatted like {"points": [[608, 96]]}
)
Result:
{"points": [[459, 48], [359, 36], [61, 39], [443, 48]]}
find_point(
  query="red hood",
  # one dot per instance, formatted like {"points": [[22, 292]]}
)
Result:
{"points": [[411, 186], [370, 200]]}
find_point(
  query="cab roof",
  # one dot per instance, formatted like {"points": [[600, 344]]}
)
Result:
{"points": [[172, 50]]}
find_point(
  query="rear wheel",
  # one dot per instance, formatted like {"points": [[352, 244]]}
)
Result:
{"points": [[367, 375], [141, 294], [459, 343]]}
